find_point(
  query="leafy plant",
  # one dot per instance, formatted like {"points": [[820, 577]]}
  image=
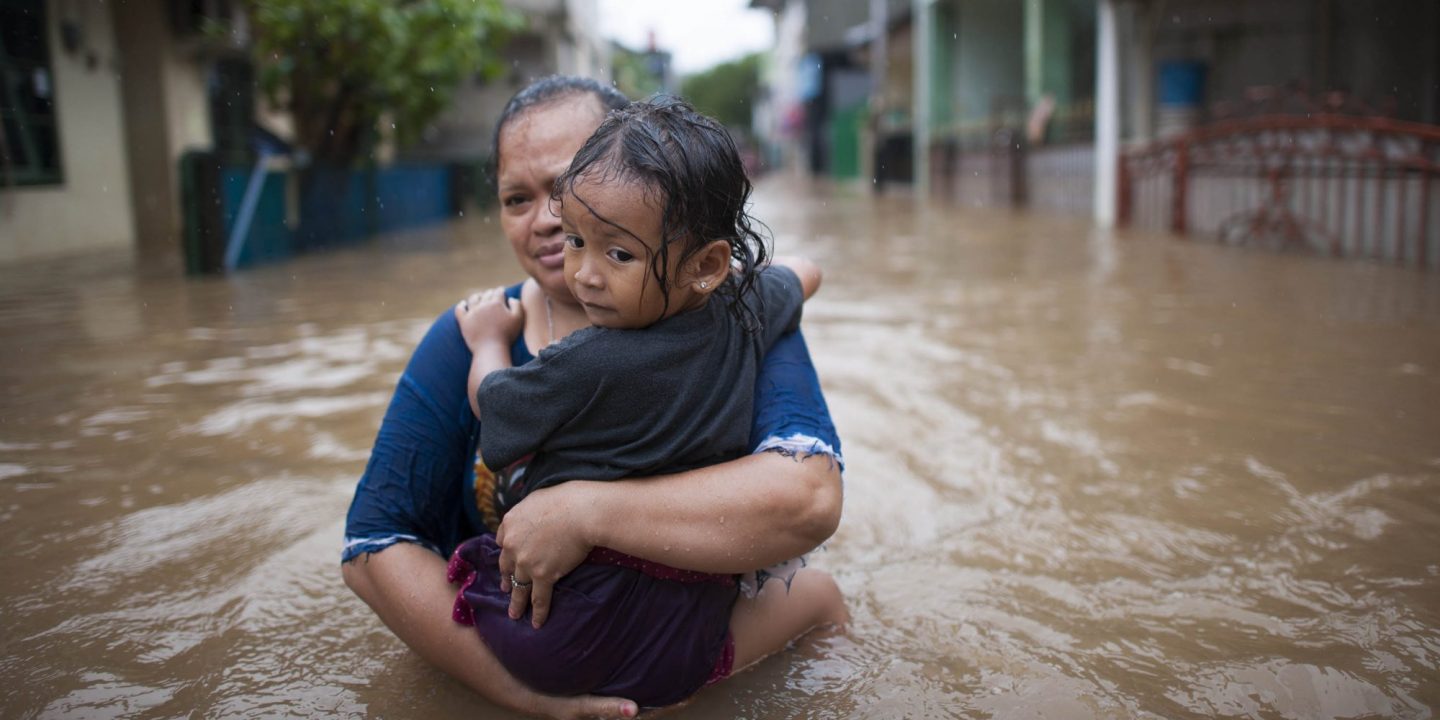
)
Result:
{"points": [[726, 92], [634, 74], [340, 66]]}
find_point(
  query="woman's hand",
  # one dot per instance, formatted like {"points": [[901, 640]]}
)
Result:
{"points": [[541, 540], [489, 316]]}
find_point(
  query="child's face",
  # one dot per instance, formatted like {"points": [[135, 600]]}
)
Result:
{"points": [[607, 267]]}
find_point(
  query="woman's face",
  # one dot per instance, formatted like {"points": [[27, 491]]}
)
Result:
{"points": [[535, 148]]}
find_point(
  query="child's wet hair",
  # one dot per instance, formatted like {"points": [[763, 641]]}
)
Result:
{"points": [[689, 167]]}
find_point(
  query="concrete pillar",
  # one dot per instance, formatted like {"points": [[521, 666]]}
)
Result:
{"points": [[166, 112], [154, 187], [1107, 113]]}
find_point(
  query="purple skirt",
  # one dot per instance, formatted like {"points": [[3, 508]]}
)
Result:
{"points": [[614, 628]]}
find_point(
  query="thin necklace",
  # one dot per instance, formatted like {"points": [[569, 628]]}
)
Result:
{"points": [[549, 321]]}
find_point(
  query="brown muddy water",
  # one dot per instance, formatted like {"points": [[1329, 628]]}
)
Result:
{"points": [[1088, 476]]}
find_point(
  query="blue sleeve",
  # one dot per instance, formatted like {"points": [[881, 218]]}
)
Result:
{"points": [[790, 412], [415, 482]]}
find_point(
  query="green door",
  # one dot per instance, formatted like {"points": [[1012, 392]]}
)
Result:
{"points": [[845, 141]]}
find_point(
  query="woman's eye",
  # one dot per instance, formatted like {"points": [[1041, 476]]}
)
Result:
{"points": [[621, 256], [574, 241]]}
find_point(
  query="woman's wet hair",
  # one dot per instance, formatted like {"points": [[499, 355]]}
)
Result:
{"points": [[689, 168], [544, 91]]}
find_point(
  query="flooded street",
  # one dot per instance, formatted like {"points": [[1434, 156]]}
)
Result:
{"points": [[1088, 475]]}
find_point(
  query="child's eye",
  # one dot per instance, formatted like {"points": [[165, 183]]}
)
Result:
{"points": [[574, 241], [514, 200], [619, 255]]}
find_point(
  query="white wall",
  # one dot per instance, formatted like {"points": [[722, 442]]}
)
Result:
{"points": [[91, 208], [780, 75], [592, 52], [187, 105]]}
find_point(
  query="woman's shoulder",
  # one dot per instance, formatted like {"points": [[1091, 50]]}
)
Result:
{"points": [[448, 324], [444, 337]]}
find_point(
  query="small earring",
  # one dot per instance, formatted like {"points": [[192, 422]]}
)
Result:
{"points": [[704, 284]]}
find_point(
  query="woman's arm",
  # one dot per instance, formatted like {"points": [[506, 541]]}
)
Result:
{"points": [[753, 512], [729, 518], [805, 269], [733, 517]]}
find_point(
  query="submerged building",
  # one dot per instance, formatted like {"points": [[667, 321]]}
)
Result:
{"points": [[1151, 113], [103, 102]]}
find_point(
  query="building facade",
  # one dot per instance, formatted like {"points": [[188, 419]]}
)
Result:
{"points": [[102, 101], [560, 36]]}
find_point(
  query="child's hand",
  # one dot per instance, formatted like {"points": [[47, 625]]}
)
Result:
{"points": [[489, 316]]}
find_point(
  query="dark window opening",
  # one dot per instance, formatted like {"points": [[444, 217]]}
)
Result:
{"points": [[194, 17], [232, 108], [29, 129]]}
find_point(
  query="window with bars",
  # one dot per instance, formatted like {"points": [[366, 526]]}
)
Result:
{"points": [[29, 134]]}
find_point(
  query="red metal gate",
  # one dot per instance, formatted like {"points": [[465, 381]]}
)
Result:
{"points": [[1340, 185]]}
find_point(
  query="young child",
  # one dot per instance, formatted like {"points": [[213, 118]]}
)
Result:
{"points": [[663, 258]]}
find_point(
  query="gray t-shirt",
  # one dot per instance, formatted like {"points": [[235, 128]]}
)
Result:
{"points": [[603, 404]]}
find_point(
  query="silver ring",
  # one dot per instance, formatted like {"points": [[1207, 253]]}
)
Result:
{"points": [[517, 583]]}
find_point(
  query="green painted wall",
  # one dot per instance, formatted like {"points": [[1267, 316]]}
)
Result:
{"points": [[1048, 50], [944, 33], [988, 61]]}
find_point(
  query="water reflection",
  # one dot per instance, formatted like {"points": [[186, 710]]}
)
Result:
{"points": [[1089, 476]]}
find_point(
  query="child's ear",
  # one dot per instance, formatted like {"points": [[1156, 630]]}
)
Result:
{"points": [[708, 268]]}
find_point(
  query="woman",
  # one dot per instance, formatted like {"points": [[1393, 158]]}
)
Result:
{"points": [[418, 497]]}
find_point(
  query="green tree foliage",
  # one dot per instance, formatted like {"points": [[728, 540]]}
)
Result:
{"points": [[726, 92], [633, 75], [339, 66]]}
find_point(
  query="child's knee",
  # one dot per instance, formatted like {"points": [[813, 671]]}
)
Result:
{"points": [[824, 596]]}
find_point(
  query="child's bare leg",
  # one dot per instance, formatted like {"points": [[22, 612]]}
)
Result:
{"points": [[765, 624]]}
